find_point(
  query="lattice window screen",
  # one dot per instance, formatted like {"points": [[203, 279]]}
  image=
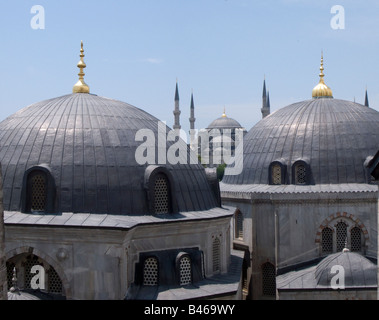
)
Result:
{"points": [[239, 225], [161, 195], [150, 272], [38, 192], [341, 230], [327, 240], [216, 254], [356, 239], [300, 174], [185, 271], [276, 174], [268, 280]]}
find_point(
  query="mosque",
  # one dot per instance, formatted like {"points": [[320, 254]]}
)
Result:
{"points": [[97, 224], [105, 227]]}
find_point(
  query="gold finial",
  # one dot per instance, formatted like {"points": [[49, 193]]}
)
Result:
{"points": [[322, 90], [81, 86], [224, 114]]}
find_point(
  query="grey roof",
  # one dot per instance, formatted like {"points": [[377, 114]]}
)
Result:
{"points": [[333, 136], [124, 222], [88, 142], [214, 287], [348, 188], [225, 123], [359, 272]]}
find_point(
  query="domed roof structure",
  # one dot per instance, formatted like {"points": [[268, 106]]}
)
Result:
{"points": [[358, 270], [224, 122], [88, 145], [332, 137]]}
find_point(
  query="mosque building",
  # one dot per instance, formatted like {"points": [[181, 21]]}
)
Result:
{"points": [[97, 223], [306, 198]]}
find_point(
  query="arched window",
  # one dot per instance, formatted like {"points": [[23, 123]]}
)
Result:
{"points": [[327, 240], [37, 191], [268, 279], [356, 239], [216, 250], [341, 235], [185, 270], [238, 223], [300, 174], [161, 195], [150, 272], [276, 174]]}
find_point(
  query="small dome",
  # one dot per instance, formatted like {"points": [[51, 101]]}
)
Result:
{"points": [[358, 270], [225, 122]]}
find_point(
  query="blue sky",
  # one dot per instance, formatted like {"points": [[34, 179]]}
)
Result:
{"points": [[221, 49]]}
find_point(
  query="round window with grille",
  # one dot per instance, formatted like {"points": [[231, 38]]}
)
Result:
{"points": [[341, 230], [185, 271], [268, 280], [276, 174], [161, 195], [38, 192], [356, 239], [327, 240], [150, 272], [300, 174]]}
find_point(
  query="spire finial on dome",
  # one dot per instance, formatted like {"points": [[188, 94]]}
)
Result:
{"points": [[224, 114], [322, 90], [81, 86]]}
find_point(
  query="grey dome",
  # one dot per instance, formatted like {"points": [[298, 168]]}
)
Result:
{"points": [[333, 136], [88, 144], [358, 270], [224, 123]]}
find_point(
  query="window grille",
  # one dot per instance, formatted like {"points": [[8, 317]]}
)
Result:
{"points": [[268, 279], [327, 240], [300, 174], [185, 271], [276, 174], [356, 239], [38, 192], [239, 225], [54, 282], [341, 230], [161, 195], [216, 254], [10, 267], [150, 272]]}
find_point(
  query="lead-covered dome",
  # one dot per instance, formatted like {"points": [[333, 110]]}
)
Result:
{"points": [[87, 145], [331, 138], [224, 122]]}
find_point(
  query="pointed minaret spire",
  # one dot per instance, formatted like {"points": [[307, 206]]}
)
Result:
{"points": [[177, 112], [192, 118], [81, 86], [367, 104], [265, 101]]}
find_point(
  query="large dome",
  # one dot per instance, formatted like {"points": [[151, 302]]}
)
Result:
{"points": [[88, 144], [333, 137]]}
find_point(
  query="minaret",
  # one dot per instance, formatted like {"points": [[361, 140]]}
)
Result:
{"points": [[366, 99], [265, 102], [177, 112], [81, 86], [192, 118], [3, 268]]}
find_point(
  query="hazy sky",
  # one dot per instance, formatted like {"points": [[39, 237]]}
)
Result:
{"points": [[221, 49]]}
